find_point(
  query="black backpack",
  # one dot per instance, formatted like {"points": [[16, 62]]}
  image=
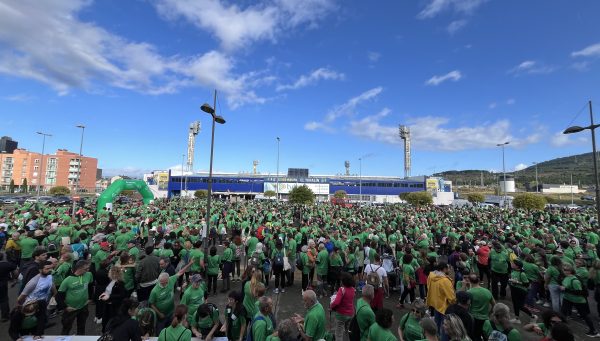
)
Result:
{"points": [[278, 260], [354, 328], [299, 263]]}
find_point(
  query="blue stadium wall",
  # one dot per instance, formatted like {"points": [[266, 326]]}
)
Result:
{"points": [[252, 185]]}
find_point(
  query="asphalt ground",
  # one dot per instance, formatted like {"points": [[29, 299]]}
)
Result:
{"points": [[289, 303]]}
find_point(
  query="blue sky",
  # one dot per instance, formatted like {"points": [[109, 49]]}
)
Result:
{"points": [[333, 79]]}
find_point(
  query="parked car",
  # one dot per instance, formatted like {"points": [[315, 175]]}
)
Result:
{"points": [[20, 199], [44, 200], [588, 198], [61, 200]]}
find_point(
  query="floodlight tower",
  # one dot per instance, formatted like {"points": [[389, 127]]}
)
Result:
{"points": [[347, 165], [254, 165], [405, 135], [193, 132]]}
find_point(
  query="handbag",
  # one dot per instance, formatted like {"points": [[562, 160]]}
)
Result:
{"points": [[286, 262]]}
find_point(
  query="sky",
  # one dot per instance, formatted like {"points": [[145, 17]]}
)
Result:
{"points": [[332, 79]]}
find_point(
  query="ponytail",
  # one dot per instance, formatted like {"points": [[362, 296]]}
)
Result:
{"points": [[180, 312]]}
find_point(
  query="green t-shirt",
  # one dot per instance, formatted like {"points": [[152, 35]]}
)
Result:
{"points": [[261, 328], [249, 301], [193, 298], [76, 290], [408, 274], [376, 333], [322, 262], [411, 329], [121, 241], [196, 255], [207, 322], [480, 303], [29, 322], [235, 322], [499, 261], [227, 255], [306, 268], [99, 257], [532, 271], [134, 252], [129, 278], [314, 322], [27, 246], [163, 298], [572, 283], [213, 265], [519, 280], [335, 260], [61, 272], [513, 334], [552, 273], [178, 333]]}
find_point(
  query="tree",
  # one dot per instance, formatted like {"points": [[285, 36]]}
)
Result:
{"points": [[59, 190], [201, 194], [24, 186], [419, 198], [475, 198], [11, 187], [269, 194], [340, 194], [529, 201], [301, 195]]}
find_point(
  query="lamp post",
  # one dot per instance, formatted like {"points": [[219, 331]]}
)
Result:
{"points": [[537, 184], [277, 176], [44, 135], [77, 184], [591, 127], [215, 119], [181, 181], [503, 170]]}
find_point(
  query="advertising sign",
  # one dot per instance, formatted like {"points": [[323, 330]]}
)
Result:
{"points": [[286, 187]]}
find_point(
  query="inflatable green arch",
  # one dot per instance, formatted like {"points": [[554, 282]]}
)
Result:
{"points": [[124, 185]]}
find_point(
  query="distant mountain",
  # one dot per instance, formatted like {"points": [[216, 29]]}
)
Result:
{"points": [[556, 171]]}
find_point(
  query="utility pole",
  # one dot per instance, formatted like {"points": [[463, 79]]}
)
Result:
{"points": [[41, 167], [537, 184], [277, 196]]}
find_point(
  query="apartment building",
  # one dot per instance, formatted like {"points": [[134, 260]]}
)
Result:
{"points": [[64, 168]]}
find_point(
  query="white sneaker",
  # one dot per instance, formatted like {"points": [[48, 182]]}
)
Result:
{"points": [[539, 302], [99, 321], [276, 291], [546, 305], [282, 290], [515, 321]]}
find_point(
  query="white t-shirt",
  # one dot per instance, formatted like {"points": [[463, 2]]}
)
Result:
{"points": [[378, 269]]}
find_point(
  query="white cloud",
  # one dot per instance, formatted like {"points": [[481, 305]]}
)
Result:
{"points": [[532, 67], [436, 7], [130, 171], [437, 80], [45, 41], [346, 109], [589, 51], [236, 27], [511, 101], [456, 26], [493, 105], [18, 98], [312, 78], [562, 140], [520, 167], [432, 133], [373, 56], [581, 66]]}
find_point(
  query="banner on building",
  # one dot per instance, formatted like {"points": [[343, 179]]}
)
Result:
{"points": [[286, 187]]}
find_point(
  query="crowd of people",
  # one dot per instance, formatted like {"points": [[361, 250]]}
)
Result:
{"points": [[443, 273]]}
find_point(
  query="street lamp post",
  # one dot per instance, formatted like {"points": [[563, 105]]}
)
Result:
{"points": [[181, 181], [215, 119], [44, 135], [592, 127], [277, 176], [78, 183], [537, 184], [503, 171]]}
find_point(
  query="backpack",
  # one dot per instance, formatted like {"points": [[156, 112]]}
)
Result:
{"points": [[278, 260], [583, 292], [373, 277], [299, 264], [354, 328], [52, 245], [254, 260], [267, 266], [497, 335], [249, 336]]}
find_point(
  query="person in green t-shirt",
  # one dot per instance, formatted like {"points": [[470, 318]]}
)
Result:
{"points": [[227, 261], [162, 299], [176, 330], [519, 284], [262, 326], [193, 296], [206, 323], [322, 269], [73, 297], [499, 260], [380, 330], [409, 327], [235, 317], [212, 269], [481, 303], [313, 324], [364, 313], [28, 244], [576, 297]]}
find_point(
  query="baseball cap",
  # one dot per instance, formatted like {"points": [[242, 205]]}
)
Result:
{"points": [[196, 278]]}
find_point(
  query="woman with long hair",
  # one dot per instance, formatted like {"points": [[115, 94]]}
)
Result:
{"points": [[409, 279], [552, 282], [454, 328], [343, 304], [249, 294], [113, 295], [177, 330], [235, 323]]}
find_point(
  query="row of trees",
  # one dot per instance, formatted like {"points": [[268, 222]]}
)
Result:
{"points": [[24, 188]]}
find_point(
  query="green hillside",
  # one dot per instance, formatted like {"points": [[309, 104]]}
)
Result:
{"points": [[556, 171]]}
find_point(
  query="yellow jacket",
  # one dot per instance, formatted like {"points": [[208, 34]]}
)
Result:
{"points": [[440, 291]]}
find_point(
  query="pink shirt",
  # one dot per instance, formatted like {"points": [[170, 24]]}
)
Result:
{"points": [[344, 301]]}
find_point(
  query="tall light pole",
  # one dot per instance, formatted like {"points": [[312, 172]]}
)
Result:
{"points": [[537, 184], [215, 119], [181, 183], [77, 184], [44, 135], [278, 139], [503, 170], [591, 127]]}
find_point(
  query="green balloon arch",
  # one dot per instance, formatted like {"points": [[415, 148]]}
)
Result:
{"points": [[124, 185]]}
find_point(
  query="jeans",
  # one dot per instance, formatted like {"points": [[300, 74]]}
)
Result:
{"points": [[484, 270], [406, 292], [279, 277], [69, 317], [304, 281], [236, 268], [439, 320], [290, 273], [478, 329], [4, 305], [556, 296], [340, 325], [518, 300], [212, 283], [534, 289]]}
